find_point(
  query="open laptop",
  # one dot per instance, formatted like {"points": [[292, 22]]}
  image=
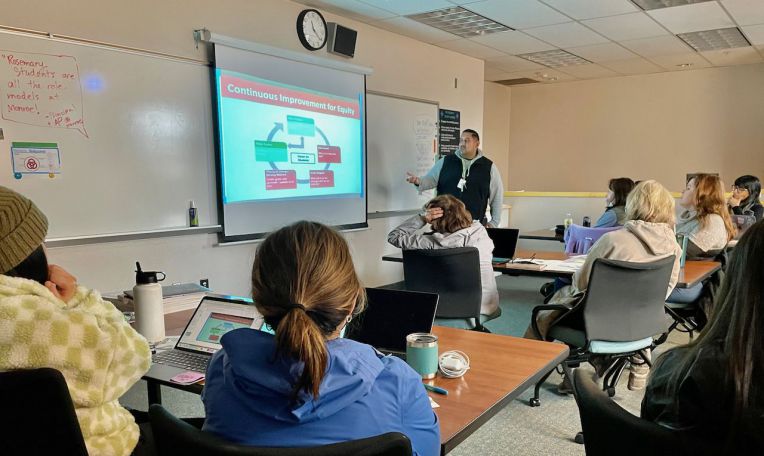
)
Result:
{"points": [[390, 316], [504, 243], [214, 317]]}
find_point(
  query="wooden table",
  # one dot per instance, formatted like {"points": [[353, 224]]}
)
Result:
{"points": [[541, 235], [501, 368], [694, 271]]}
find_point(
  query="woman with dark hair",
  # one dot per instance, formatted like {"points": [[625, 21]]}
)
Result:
{"points": [[746, 192], [47, 320], [615, 214], [713, 385], [452, 226], [303, 385]]}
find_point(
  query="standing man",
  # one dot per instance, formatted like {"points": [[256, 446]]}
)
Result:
{"points": [[469, 176]]}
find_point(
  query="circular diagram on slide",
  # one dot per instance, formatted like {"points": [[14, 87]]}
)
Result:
{"points": [[297, 147]]}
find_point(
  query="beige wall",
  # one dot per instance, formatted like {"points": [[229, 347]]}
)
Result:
{"points": [[575, 136], [401, 66], [495, 137]]}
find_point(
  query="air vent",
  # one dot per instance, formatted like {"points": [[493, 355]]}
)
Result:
{"points": [[459, 21], [713, 40], [518, 81], [656, 4]]}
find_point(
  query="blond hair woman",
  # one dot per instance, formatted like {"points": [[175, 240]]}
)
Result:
{"points": [[647, 235], [304, 386], [452, 226]]}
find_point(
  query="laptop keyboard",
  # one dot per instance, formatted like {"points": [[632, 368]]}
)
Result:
{"points": [[183, 360]]}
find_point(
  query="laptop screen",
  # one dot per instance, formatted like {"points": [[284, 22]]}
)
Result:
{"points": [[213, 318], [391, 315], [504, 241]]}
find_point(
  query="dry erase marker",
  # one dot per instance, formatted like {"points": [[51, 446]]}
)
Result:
{"points": [[435, 389], [193, 216]]}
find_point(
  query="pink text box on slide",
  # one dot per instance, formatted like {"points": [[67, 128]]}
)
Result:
{"points": [[280, 180], [319, 179], [329, 154]]}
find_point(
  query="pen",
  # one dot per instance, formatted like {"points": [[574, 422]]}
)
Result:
{"points": [[435, 389]]}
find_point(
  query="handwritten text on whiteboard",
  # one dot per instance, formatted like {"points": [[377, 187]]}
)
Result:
{"points": [[41, 89]]}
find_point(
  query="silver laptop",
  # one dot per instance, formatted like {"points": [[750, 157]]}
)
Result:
{"points": [[213, 318]]}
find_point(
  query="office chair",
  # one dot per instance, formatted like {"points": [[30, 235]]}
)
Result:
{"points": [[175, 437], [38, 414], [619, 316], [609, 429], [454, 274]]}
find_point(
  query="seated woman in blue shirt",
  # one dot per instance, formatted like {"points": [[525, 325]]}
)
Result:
{"points": [[305, 386], [615, 214]]}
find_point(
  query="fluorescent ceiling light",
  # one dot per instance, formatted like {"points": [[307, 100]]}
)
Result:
{"points": [[655, 4], [555, 58], [459, 21], [713, 40]]}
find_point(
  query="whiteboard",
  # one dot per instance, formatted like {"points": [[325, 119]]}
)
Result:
{"points": [[402, 135], [134, 134]]}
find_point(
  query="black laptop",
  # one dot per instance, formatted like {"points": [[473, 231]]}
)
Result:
{"points": [[390, 316], [214, 317], [504, 243]]}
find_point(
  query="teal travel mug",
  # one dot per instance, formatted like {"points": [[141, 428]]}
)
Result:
{"points": [[422, 353]]}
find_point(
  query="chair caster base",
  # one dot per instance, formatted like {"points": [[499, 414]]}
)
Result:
{"points": [[611, 391], [534, 402], [579, 438]]}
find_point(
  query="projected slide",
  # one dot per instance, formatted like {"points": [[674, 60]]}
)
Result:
{"points": [[218, 324], [282, 141]]}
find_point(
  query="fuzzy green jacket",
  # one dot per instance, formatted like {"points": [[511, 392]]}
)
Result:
{"points": [[89, 341]]}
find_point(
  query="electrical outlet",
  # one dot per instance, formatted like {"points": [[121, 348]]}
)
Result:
{"points": [[204, 282]]}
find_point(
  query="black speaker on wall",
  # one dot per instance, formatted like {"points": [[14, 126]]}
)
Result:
{"points": [[341, 40]]}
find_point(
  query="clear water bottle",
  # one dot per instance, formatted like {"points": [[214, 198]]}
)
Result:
{"points": [[149, 306], [568, 220]]}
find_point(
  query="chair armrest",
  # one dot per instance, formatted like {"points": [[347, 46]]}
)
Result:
{"points": [[537, 309]]}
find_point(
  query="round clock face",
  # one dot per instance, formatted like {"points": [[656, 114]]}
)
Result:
{"points": [[311, 29]]}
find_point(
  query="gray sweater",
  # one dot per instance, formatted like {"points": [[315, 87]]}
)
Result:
{"points": [[409, 236]]}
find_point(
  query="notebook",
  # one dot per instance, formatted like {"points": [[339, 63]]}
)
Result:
{"points": [[213, 318], [390, 316], [504, 243]]}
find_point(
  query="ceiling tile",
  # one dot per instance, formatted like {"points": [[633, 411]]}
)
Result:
{"points": [[677, 62], [602, 52], [518, 14], [513, 42], [692, 18], [403, 7], [569, 34], [587, 9], [590, 71], [495, 74], [745, 12], [737, 56], [627, 26], [659, 45], [471, 48], [633, 66], [416, 30], [512, 63], [464, 2], [754, 33], [352, 8]]}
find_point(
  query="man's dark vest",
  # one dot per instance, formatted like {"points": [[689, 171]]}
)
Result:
{"points": [[478, 189]]}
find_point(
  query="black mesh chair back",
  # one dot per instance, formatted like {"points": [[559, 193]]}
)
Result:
{"points": [[608, 429], [174, 437], [38, 414], [454, 274], [615, 314]]}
